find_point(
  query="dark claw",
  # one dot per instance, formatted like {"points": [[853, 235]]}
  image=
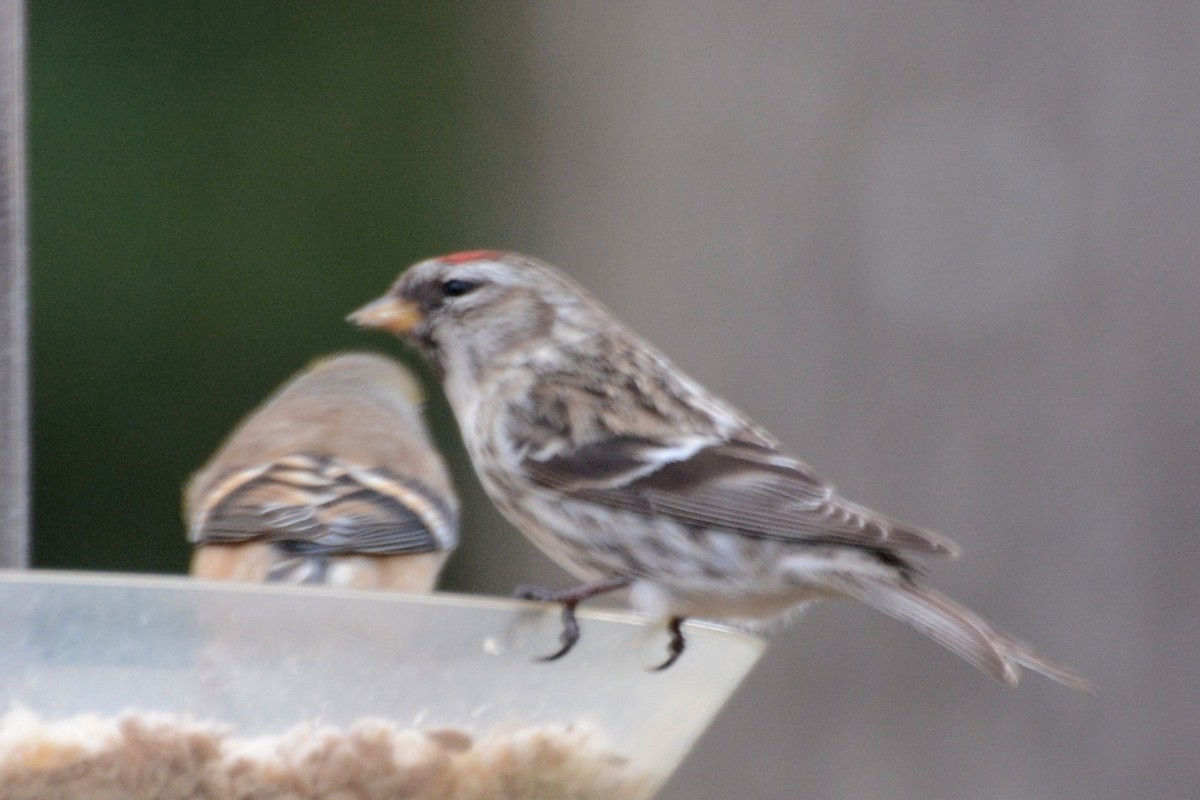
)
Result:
{"points": [[569, 635], [676, 645], [571, 597]]}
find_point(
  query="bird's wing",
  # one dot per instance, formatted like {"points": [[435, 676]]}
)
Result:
{"points": [[741, 484], [323, 505]]}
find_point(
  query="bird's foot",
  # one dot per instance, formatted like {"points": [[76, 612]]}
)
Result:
{"points": [[675, 646], [570, 597]]}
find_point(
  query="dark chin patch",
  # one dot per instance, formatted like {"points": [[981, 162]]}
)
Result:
{"points": [[433, 354]]}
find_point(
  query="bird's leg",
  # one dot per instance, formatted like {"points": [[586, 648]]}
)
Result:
{"points": [[676, 645], [570, 597]]}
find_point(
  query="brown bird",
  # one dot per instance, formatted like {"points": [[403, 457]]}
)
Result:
{"points": [[331, 481], [629, 473]]}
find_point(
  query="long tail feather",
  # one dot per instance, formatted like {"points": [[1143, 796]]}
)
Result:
{"points": [[955, 627]]}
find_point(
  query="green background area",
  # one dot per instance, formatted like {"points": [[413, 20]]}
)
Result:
{"points": [[214, 186]]}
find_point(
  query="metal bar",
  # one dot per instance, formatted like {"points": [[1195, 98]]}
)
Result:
{"points": [[14, 381]]}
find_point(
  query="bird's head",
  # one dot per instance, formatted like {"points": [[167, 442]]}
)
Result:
{"points": [[465, 310]]}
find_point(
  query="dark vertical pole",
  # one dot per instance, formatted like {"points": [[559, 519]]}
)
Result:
{"points": [[14, 409]]}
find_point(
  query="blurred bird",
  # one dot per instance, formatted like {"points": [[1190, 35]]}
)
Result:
{"points": [[331, 481], [628, 473]]}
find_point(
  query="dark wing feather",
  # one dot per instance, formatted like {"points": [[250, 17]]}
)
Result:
{"points": [[325, 506], [742, 485]]}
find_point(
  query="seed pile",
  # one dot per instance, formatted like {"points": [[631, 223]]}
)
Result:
{"points": [[136, 756]]}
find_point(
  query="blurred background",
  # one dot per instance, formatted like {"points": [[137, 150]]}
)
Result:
{"points": [[948, 252]]}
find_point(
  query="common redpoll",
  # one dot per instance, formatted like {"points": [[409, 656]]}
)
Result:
{"points": [[628, 473], [331, 481]]}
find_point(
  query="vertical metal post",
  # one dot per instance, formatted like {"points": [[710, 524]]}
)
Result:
{"points": [[14, 407]]}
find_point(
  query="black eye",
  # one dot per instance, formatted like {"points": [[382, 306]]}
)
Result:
{"points": [[456, 287]]}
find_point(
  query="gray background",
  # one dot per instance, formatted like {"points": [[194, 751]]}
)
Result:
{"points": [[948, 252], [951, 254]]}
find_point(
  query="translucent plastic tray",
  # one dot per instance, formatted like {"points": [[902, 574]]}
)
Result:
{"points": [[260, 661]]}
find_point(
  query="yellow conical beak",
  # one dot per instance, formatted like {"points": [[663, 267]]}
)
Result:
{"points": [[390, 314]]}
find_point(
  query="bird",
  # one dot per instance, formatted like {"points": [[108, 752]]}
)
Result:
{"points": [[631, 475], [332, 481]]}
